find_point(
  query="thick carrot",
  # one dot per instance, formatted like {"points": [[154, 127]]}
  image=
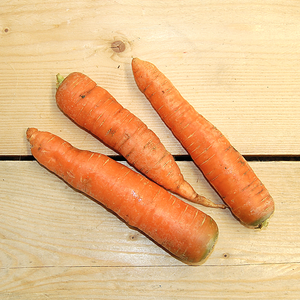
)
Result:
{"points": [[96, 110], [223, 166], [182, 229]]}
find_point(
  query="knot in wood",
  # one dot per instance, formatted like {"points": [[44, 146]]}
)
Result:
{"points": [[118, 46]]}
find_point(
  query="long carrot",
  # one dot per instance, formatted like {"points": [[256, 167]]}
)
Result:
{"points": [[180, 228], [96, 110], [223, 166]]}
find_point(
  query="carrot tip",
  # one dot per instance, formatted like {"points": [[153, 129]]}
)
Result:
{"points": [[204, 201], [30, 132]]}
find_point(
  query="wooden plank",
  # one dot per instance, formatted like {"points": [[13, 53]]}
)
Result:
{"points": [[55, 242], [237, 62], [274, 281]]}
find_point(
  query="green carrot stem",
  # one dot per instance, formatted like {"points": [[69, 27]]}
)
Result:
{"points": [[59, 80]]}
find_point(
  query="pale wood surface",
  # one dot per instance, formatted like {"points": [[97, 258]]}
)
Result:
{"points": [[55, 242], [237, 62]]}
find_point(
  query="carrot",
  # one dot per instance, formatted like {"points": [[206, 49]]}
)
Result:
{"points": [[96, 110], [222, 165], [180, 228]]}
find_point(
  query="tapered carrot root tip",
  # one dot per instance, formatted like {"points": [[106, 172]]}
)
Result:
{"points": [[205, 202], [186, 191], [30, 132]]}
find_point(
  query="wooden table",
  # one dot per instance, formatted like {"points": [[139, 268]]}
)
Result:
{"points": [[237, 62]]}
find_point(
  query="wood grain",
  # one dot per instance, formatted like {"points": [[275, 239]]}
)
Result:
{"points": [[218, 282], [237, 62], [56, 242]]}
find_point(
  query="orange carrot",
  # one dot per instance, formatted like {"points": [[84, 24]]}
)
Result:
{"points": [[180, 228], [96, 110], [223, 166]]}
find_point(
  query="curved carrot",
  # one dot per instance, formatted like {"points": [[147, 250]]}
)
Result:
{"points": [[96, 110], [223, 166], [183, 230]]}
